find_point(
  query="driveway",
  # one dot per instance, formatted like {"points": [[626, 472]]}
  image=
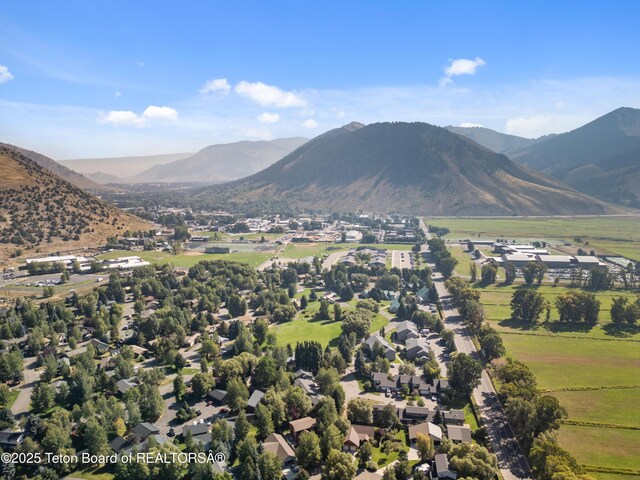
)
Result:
{"points": [[21, 406]]}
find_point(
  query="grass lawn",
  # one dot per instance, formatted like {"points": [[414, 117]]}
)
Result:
{"points": [[93, 473], [378, 456], [464, 260], [306, 327], [617, 406], [611, 447], [613, 476]]}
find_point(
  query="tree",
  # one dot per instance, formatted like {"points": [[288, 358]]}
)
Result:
{"points": [[388, 281], [237, 394], [491, 343], [473, 272], [201, 384], [509, 273], [464, 374], [489, 273], [308, 454], [269, 466], [360, 411], [264, 375], [338, 466], [42, 397], [337, 312], [534, 271], [323, 312], [95, 438], [332, 439], [325, 413], [303, 302], [264, 422], [364, 454], [241, 428], [236, 306], [11, 366], [402, 467], [527, 306], [425, 448], [297, 403], [549, 414], [260, 329], [151, 402], [179, 389]]}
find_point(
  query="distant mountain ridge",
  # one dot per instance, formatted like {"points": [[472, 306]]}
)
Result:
{"points": [[496, 141], [221, 163], [405, 167]]}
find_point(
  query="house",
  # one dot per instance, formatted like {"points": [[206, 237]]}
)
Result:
{"points": [[277, 445], [441, 467], [300, 373], [378, 408], [358, 434], [254, 399], [433, 431], [99, 345], [417, 348], [453, 417], [306, 384], [125, 384], [376, 341], [423, 295], [382, 381], [199, 432], [218, 396], [10, 439], [119, 444], [138, 350], [411, 414], [439, 385], [459, 434], [144, 430], [406, 330], [415, 383], [296, 427]]}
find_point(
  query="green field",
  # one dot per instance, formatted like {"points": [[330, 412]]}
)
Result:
{"points": [[611, 447], [252, 258], [607, 235], [306, 327], [603, 406]]}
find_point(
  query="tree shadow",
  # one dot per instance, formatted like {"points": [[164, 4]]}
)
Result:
{"points": [[621, 331], [569, 327], [516, 324]]}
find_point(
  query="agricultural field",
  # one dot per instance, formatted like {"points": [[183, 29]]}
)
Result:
{"points": [[583, 365], [606, 235]]}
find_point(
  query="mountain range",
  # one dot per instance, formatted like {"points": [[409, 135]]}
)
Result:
{"points": [[601, 158], [40, 211], [407, 167], [213, 164]]}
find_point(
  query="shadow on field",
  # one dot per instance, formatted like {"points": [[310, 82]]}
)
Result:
{"points": [[621, 331]]}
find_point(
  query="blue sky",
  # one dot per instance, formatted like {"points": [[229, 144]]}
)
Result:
{"points": [[82, 79]]}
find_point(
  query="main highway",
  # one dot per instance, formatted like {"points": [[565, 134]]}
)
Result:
{"points": [[511, 460]]}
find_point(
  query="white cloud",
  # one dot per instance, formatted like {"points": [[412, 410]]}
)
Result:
{"points": [[117, 94], [216, 85], [461, 66], [268, 95], [470, 125], [160, 113], [310, 123], [5, 75], [122, 117], [267, 117]]}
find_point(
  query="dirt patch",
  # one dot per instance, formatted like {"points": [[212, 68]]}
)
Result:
{"points": [[193, 254]]}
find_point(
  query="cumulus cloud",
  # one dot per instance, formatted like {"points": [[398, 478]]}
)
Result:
{"points": [[220, 85], [267, 117], [310, 123], [268, 95], [470, 125], [5, 74], [461, 66], [122, 117], [160, 113], [131, 119]]}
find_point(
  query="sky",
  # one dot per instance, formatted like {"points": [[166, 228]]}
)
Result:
{"points": [[85, 79]]}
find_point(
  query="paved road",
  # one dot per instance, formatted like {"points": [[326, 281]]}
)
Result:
{"points": [[333, 258], [31, 376], [512, 462]]}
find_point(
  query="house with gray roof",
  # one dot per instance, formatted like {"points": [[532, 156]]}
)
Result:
{"points": [[376, 341]]}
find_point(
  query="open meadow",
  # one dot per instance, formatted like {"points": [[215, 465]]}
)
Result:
{"points": [[593, 370]]}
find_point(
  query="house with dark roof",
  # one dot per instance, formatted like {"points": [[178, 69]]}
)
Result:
{"points": [[306, 384], [125, 384], [218, 396], [119, 444], [144, 430], [296, 427], [423, 295], [413, 414], [382, 381], [10, 439], [358, 434], [277, 445], [453, 417], [199, 432]]}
